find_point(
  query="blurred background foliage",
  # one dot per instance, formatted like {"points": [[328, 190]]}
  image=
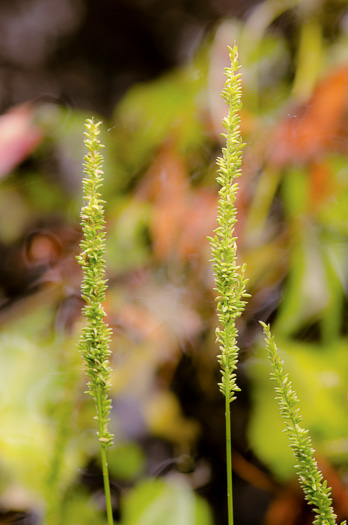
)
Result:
{"points": [[154, 74]]}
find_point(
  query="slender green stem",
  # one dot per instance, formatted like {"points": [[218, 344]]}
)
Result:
{"points": [[104, 462], [106, 485], [229, 460]]}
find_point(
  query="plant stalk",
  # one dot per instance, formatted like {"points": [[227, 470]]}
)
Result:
{"points": [[104, 463], [229, 460]]}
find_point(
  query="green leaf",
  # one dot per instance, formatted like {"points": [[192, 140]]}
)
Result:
{"points": [[159, 502], [126, 461]]}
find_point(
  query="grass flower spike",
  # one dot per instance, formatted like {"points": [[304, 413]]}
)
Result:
{"points": [[316, 491], [95, 338], [229, 277]]}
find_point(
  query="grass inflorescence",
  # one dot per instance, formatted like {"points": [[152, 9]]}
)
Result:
{"points": [[315, 488], [229, 276], [95, 339]]}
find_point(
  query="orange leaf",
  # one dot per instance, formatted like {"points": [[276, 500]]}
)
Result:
{"points": [[321, 185], [313, 127], [166, 184]]}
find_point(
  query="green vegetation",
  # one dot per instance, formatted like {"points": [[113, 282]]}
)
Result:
{"points": [[231, 286]]}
